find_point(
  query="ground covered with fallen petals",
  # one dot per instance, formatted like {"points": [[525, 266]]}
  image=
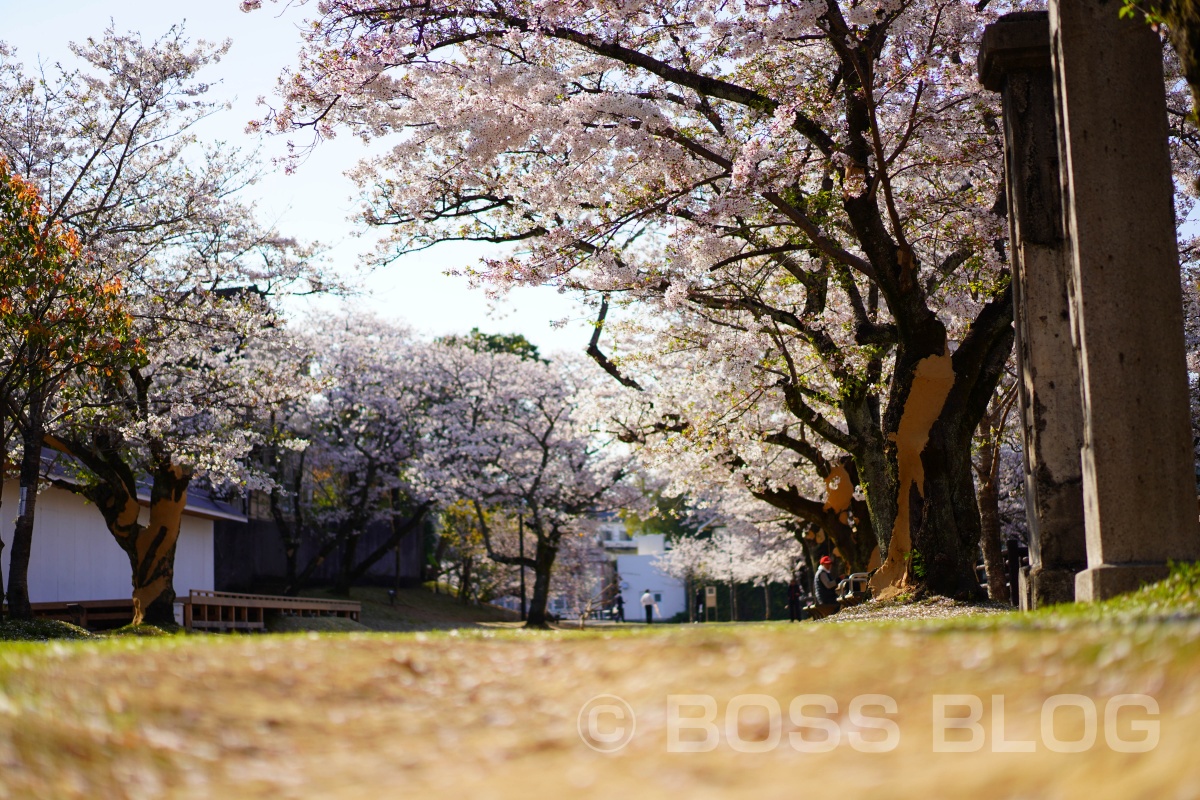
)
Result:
{"points": [[488, 713], [932, 608]]}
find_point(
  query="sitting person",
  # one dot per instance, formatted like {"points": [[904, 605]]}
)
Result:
{"points": [[825, 588]]}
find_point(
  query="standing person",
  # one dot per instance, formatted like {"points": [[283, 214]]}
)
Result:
{"points": [[648, 605], [825, 588], [700, 615], [794, 599], [619, 609]]}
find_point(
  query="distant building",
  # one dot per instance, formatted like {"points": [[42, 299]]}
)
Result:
{"points": [[610, 562], [636, 570]]}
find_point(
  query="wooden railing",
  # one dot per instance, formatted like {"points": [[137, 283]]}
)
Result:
{"points": [[202, 610], [229, 611], [95, 615]]}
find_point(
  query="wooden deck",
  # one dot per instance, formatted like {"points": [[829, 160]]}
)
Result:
{"points": [[229, 611], [95, 615], [202, 610]]}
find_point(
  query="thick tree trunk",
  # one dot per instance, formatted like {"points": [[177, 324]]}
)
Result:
{"points": [[989, 518], [937, 402], [842, 519], [152, 550], [545, 554], [945, 520], [290, 549], [464, 582], [18, 565], [289, 534], [876, 475], [349, 541], [856, 543]]}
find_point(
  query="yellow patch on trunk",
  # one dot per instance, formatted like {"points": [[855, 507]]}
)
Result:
{"points": [[129, 514], [930, 387], [164, 515], [838, 492], [873, 561]]}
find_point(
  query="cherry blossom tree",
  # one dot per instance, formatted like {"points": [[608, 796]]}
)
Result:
{"points": [[707, 414], [111, 148], [62, 325], [825, 174], [344, 458], [737, 553], [821, 172], [507, 433], [584, 576]]}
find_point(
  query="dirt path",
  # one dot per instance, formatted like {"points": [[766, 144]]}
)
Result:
{"points": [[496, 714]]}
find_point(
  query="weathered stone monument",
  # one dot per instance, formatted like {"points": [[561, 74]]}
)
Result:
{"points": [[1014, 59], [1114, 246]]}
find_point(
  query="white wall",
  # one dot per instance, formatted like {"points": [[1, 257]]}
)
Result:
{"points": [[638, 573], [194, 555], [651, 544], [74, 557]]}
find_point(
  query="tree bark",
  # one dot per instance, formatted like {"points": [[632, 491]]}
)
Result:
{"points": [[349, 541], [151, 547], [945, 522], [987, 469], [993, 558], [938, 401], [464, 582], [855, 541], [543, 566], [151, 550], [30, 473]]}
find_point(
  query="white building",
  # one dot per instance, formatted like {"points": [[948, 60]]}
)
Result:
{"points": [[637, 573], [74, 557], [633, 559]]}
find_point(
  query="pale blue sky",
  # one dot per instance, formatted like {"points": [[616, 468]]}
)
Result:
{"points": [[315, 201]]}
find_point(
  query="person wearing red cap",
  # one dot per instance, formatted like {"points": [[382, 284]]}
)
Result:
{"points": [[825, 588]]}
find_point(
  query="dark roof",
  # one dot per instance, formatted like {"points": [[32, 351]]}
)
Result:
{"points": [[200, 500]]}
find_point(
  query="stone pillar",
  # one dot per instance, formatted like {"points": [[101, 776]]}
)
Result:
{"points": [[1139, 488], [1014, 59]]}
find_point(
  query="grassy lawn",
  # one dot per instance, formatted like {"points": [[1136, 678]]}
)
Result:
{"points": [[416, 609], [495, 712]]}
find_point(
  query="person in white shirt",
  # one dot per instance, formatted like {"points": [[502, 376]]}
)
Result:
{"points": [[649, 605]]}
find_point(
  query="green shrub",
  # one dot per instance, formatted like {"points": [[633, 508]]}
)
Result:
{"points": [[145, 630], [40, 630]]}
